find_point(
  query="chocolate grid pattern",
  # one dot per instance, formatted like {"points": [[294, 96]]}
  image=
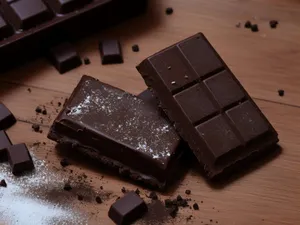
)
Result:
{"points": [[197, 60]]}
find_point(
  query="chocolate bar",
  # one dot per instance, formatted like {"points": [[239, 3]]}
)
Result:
{"points": [[29, 27], [127, 209], [119, 130], [4, 144], [209, 107], [7, 119]]}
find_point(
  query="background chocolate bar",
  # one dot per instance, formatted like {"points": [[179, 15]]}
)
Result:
{"points": [[119, 130], [29, 27], [210, 108]]}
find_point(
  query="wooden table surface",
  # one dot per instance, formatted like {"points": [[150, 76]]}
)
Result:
{"points": [[263, 62]]}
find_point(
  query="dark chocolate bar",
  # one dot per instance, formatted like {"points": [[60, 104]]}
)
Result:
{"points": [[29, 27], [4, 144], [127, 209], [7, 119], [210, 108], [119, 130]]}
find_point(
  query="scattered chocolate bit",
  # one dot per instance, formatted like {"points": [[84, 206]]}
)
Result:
{"points": [[3, 183], [86, 61], [168, 203], [157, 214], [169, 11], [110, 52], [153, 195], [59, 104], [135, 48], [195, 206], [64, 162], [36, 127], [80, 197], [67, 187], [44, 112], [38, 109], [273, 23], [201, 201], [248, 24], [44, 143], [40, 131], [137, 191], [188, 192], [123, 189], [254, 28], [210, 220], [238, 25], [98, 200], [173, 211], [127, 209], [29, 90], [281, 92], [101, 187], [189, 217], [7, 119], [179, 198], [84, 176]]}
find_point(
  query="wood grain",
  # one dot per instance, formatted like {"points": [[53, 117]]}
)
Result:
{"points": [[264, 62]]}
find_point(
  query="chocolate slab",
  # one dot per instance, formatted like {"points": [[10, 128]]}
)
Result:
{"points": [[110, 52], [120, 130], [29, 27], [7, 119], [210, 108], [127, 209], [19, 159], [4, 144], [64, 57]]}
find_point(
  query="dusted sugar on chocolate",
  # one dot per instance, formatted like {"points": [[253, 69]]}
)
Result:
{"points": [[120, 130], [7, 119], [210, 108], [127, 209]]}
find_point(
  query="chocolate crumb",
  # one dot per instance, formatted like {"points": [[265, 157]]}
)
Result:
{"points": [[59, 104], [101, 187], [188, 192], [281, 92], [35, 127], [189, 217], [169, 11], [123, 189], [80, 197], [254, 28], [153, 195], [3, 183], [86, 61], [196, 206], [64, 162], [210, 220], [173, 211], [179, 198], [201, 201], [168, 203], [248, 24], [44, 112], [38, 109], [137, 191], [98, 200], [273, 24], [238, 25], [40, 131], [29, 90], [135, 48], [44, 143], [67, 187]]}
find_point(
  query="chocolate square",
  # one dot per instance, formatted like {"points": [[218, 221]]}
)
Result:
{"points": [[110, 52]]}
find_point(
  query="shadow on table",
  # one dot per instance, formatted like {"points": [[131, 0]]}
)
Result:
{"points": [[85, 161], [242, 168]]}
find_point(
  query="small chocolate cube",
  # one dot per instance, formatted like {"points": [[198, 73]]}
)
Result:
{"points": [[4, 144], [110, 52], [19, 159], [7, 119], [127, 209]]}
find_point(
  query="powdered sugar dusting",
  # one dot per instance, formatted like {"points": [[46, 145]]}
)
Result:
{"points": [[21, 203], [123, 117]]}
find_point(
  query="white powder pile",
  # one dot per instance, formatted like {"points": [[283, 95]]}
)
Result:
{"points": [[22, 201]]}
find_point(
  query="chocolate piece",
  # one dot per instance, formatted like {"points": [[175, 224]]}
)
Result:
{"points": [[169, 11], [64, 162], [137, 191], [153, 195], [281, 92], [273, 23], [44, 112], [38, 109], [127, 209], [64, 57], [195, 206], [35, 127], [254, 28], [7, 119], [67, 187], [110, 52], [98, 200], [4, 144], [125, 133], [248, 24], [19, 159], [188, 192], [210, 108], [86, 61], [28, 28], [135, 48], [3, 183]]}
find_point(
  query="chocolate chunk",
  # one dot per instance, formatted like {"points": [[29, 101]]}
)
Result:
{"points": [[86, 61], [254, 28], [110, 52], [195, 206], [3, 183], [153, 195], [64, 57], [35, 127], [273, 23], [227, 126], [67, 187], [64, 162], [188, 192], [19, 159], [66, 6], [121, 127], [98, 200], [38, 109], [127, 209], [135, 48], [281, 92], [248, 24], [44, 112], [7, 119], [4, 144], [169, 11]]}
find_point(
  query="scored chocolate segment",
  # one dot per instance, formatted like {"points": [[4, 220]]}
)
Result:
{"points": [[65, 6], [24, 14], [210, 108]]}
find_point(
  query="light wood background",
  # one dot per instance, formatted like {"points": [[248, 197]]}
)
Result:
{"points": [[264, 62]]}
